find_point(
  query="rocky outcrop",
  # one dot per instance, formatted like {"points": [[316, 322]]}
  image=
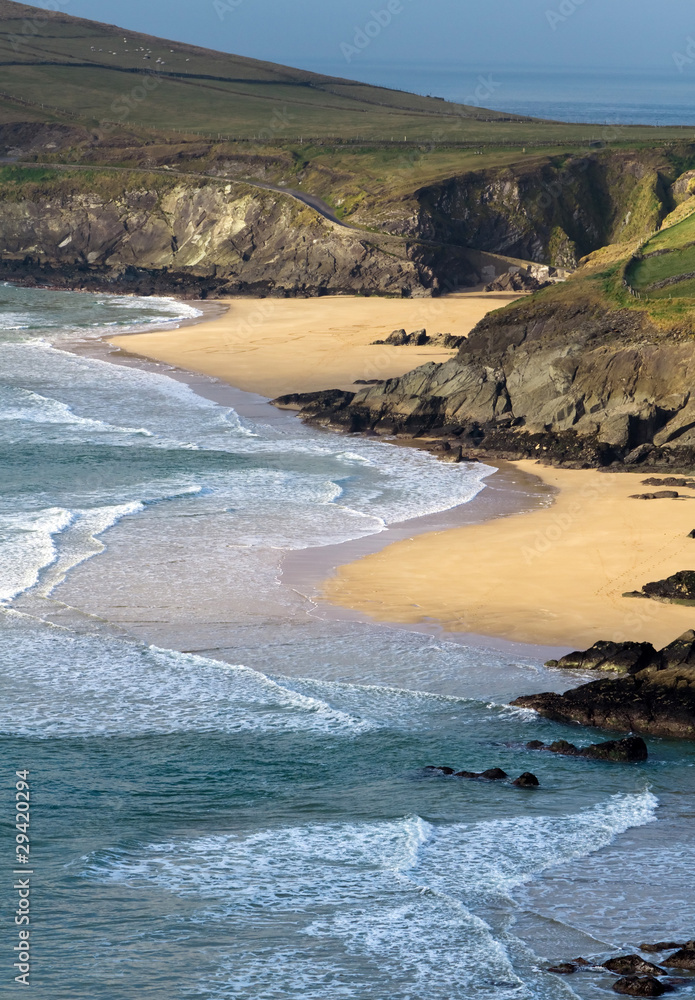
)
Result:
{"points": [[552, 210], [658, 699], [684, 958], [641, 986], [627, 751], [153, 234], [548, 377], [676, 589], [630, 965], [618, 657]]}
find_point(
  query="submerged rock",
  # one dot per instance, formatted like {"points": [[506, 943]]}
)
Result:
{"points": [[626, 965], [565, 969], [629, 750], [527, 780], [684, 958], [492, 774], [661, 946], [439, 769], [641, 986]]}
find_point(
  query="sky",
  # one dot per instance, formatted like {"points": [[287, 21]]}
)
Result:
{"points": [[329, 35]]}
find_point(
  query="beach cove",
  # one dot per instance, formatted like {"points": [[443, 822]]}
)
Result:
{"points": [[259, 762]]}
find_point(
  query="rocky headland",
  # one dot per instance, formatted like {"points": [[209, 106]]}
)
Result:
{"points": [[548, 377], [655, 694]]}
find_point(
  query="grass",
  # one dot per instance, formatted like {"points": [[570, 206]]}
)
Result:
{"points": [[99, 73], [667, 256]]}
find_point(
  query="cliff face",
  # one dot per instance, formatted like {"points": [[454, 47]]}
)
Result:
{"points": [[551, 211], [570, 382], [199, 239]]}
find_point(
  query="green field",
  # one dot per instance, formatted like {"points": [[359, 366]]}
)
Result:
{"points": [[58, 65], [667, 256]]}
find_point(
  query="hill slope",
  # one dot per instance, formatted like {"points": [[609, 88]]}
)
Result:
{"points": [[102, 72]]}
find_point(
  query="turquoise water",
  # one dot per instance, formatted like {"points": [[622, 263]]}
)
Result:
{"points": [[228, 789]]}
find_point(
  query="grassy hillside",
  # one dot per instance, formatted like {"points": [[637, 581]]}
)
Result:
{"points": [[666, 267], [53, 64]]}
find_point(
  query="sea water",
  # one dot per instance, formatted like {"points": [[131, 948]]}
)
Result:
{"points": [[228, 789]]}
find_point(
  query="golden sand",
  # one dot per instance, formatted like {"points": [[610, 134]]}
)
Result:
{"points": [[554, 576], [276, 346]]}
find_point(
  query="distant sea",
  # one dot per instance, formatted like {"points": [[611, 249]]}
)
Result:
{"points": [[625, 96]]}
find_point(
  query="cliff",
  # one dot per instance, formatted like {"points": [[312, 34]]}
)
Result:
{"points": [[148, 233], [563, 375]]}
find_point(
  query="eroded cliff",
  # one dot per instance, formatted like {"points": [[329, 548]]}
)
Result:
{"points": [[559, 375]]}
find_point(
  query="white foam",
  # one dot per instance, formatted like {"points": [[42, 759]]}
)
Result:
{"points": [[27, 546], [397, 896], [79, 541], [128, 688], [24, 406]]}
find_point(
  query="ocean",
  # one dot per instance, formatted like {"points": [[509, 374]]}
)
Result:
{"points": [[228, 787], [639, 96]]}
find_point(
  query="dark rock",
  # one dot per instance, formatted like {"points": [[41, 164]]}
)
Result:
{"points": [[535, 745], [566, 969], [620, 657], [691, 534], [684, 958], [544, 362], [659, 700], [326, 400], [440, 770], [582, 962], [183, 245], [680, 652], [527, 780], [399, 338], [669, 481], [629, 750], [661, 495], [627, 965], [680, 587], [494, 774], [466, 774], [661, 946], [641, 986], [516, 281], [367, 381]]}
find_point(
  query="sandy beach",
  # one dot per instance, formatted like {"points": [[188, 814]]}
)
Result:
{"points": [[276, 346], [554, 576]]}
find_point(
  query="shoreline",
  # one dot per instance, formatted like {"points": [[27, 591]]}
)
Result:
{"points": [[556, 575], [396, 577], [506, 492], [277, 346]]}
